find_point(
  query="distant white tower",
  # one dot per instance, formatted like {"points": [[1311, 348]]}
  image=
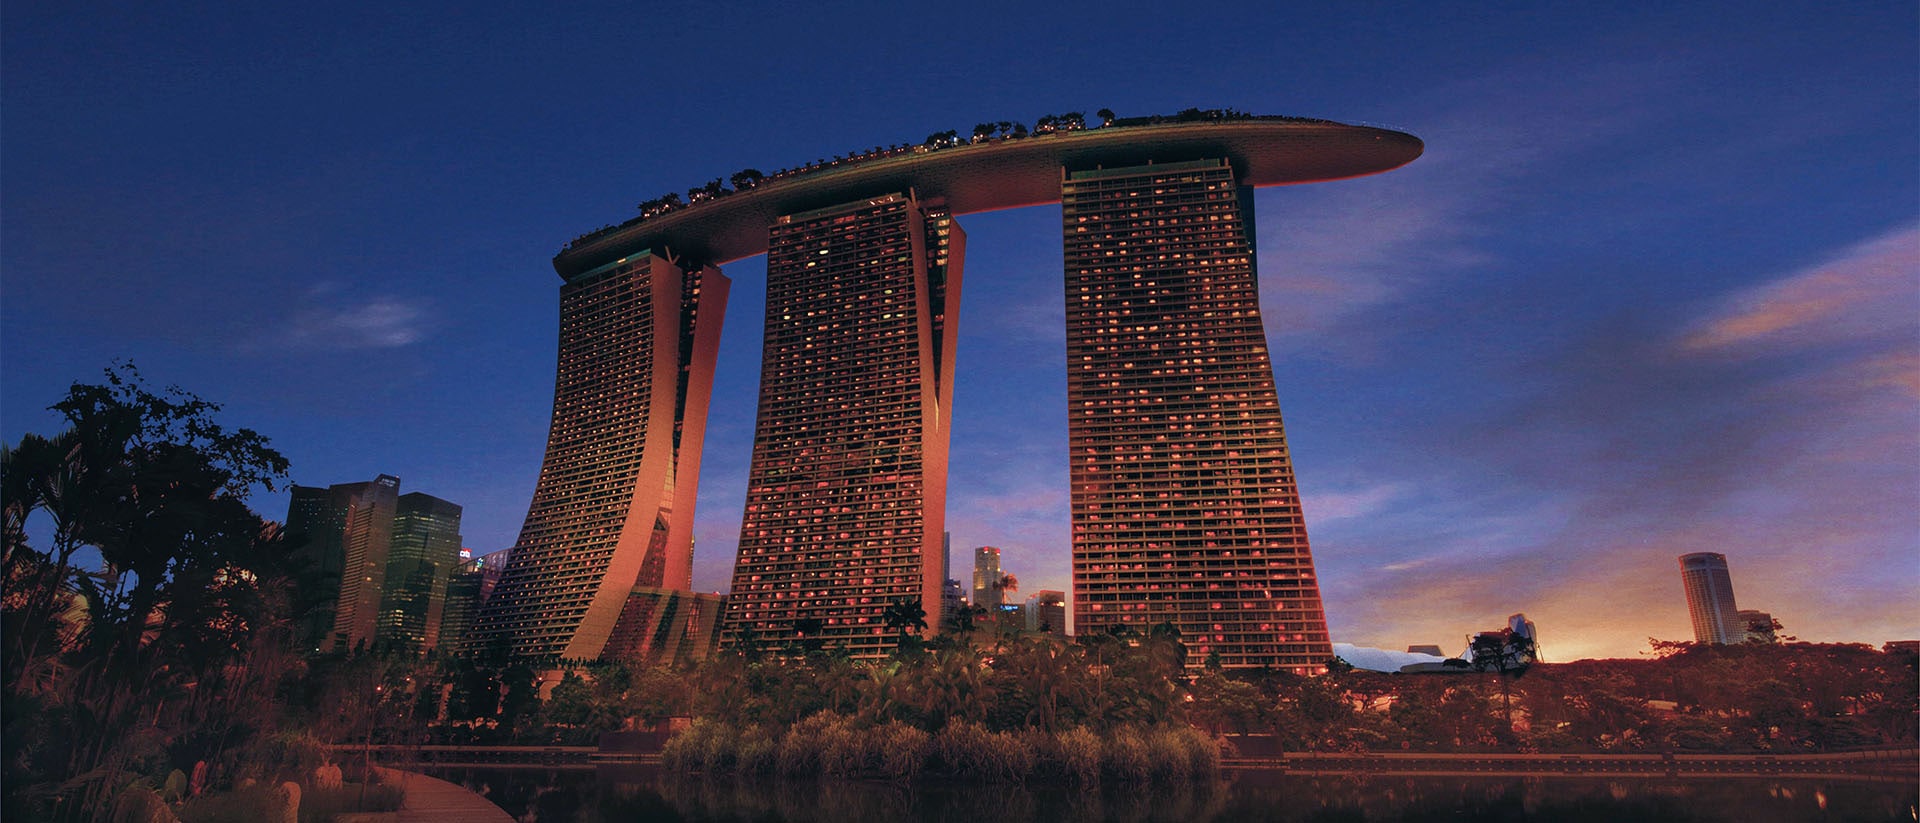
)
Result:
{"points": [[1710, 598]]}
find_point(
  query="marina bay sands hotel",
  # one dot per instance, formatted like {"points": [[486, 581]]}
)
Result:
{"points": [[1184, 504]]}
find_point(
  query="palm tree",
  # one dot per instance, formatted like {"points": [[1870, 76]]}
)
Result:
{"points": [[905, 614], [1049, 674], [807, 631]]}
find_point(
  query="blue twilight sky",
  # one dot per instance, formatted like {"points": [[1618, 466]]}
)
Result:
{"points": [[1654, 288]]}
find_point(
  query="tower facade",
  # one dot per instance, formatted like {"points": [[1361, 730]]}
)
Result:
{"points": [[986, 577], [1047, 613], [1183, 496], [666, 627], [423, 552], [613, 507], [467, 590], [1710, 599], [846, 497], [347, 531]]}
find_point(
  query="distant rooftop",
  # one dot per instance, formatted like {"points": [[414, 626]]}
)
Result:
{"points": [[1003, 172]]}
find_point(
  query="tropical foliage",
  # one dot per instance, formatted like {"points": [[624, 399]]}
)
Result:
{"points": [[148, 619], [148, 629]]}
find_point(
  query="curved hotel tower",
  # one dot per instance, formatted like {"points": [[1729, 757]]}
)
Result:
{"points": [[1183, 498], [613, 509]]}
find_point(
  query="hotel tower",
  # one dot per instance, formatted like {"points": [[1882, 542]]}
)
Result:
{"points": [[1184, 505], [613, 508], [1184, 508], [846, 498]]}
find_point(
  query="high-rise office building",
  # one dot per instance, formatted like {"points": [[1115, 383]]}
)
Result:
{"points": [[613, 508], [1183, 496], [314, 527], [1710, 598], [952, 597], [468, 588], [846, 496], [345, 531], [986, 577], [423, 551], [1047, 613]]}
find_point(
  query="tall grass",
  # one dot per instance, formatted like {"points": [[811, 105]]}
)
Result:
{"points": [[1080, 753], [831, 744], [967, 749], [903, 750], [798, 754]]}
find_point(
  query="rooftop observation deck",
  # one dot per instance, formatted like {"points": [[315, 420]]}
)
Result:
{"points": [[999, 173]]}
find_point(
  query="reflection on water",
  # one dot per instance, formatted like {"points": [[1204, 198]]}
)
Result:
{"points": [[647, 793]]}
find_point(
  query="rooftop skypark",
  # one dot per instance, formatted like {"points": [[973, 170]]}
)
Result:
{"points": [[1003, 165]]}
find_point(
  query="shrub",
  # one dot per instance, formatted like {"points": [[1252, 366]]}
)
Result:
{"points": [[1124, 756], [842, 752], [688, 750], [1203, 752], [717, 749], [902, 749], [1167, 755], [1048, 759], [1080, 755], [757, 753], [799, 751], [966, 749]]}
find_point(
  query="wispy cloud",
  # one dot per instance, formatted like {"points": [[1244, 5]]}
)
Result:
{"points": [[1777, 427], [1870, 292], [1326, 507], [334, 317], [1339, 251]]}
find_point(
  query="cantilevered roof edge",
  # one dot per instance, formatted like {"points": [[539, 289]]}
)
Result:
{"points": [[1002, 174]]}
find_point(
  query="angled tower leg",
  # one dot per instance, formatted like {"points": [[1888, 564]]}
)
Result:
{"points": [[1184, 505], [614, 505], [846, 501]]}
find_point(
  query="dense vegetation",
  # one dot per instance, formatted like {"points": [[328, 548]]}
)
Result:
{"points": [[1779, 698], [147, 639], [148, 642]]}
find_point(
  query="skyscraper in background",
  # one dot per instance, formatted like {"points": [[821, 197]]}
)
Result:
{"points": [[468, 588], [1047, 613], [345, 531], [613, 507], [846, 496], [424, 549], [986, 577], [1183, 496], [1710, 598]]}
